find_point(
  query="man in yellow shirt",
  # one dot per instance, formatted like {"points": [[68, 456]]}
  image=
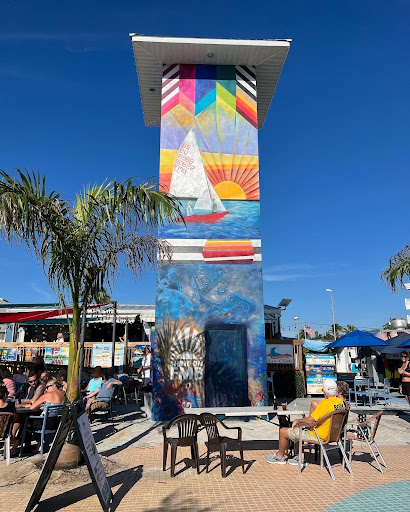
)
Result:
{"points": [[329, 404]]}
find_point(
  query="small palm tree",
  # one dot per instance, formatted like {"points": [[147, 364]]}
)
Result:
{"points": [[84, 245], [398, 269]]}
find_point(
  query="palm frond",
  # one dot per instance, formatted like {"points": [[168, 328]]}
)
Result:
{"points": [[398, 269]]}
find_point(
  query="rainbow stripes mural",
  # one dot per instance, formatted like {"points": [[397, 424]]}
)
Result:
{"points": [[209, 295]]}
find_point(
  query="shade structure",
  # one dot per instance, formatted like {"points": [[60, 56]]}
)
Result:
{"points": [[359, 339], [396, 343], [404, 344]]}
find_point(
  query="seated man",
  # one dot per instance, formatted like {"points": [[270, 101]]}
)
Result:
{"points": [[41, 388], [341, 392], [100, 399], [329, 404]]}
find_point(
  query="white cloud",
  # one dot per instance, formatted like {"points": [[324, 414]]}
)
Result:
{"points": [[42, 292], [294, 271]]}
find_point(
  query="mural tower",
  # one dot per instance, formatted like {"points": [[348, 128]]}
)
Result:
{"points": [[210, 97]]}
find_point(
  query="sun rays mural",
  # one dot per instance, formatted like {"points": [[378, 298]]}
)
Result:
{"points": [[209, 293]]}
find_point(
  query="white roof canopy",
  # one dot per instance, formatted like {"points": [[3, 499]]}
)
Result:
{"points": [[151, 52]]}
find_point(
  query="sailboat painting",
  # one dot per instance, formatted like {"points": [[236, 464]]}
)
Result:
{"points": [[189, 181]]}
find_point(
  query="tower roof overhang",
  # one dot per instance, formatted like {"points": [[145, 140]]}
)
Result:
{"points": [[152, 52]]}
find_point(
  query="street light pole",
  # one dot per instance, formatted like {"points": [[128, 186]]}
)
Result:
{"points": [[296, 318], [333, 312], [114, 325]]}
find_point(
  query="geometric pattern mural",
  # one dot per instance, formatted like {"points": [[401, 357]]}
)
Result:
{"points": [[209, 161]]}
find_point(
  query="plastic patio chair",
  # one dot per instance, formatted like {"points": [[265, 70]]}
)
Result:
{"points": [[359, 431], [187, 425], [50, 411], [210, 423], [360, 394], [333, 442], [6, 425]]}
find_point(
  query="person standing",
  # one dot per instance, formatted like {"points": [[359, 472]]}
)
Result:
{"points": [[145, 369], [404, 371]]}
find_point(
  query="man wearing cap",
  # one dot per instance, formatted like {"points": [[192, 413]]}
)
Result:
{"points": [[329, 404]]}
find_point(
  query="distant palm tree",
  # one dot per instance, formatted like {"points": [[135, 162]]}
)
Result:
{"points": [[339, 331], [398, 269], [349, 328], [84, 245]]}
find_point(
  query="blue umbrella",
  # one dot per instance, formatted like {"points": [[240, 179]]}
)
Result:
{"points": [[405, 344], [359, 339]]}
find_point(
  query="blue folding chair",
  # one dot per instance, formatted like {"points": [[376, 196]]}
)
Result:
{"points": [[50, 411]]}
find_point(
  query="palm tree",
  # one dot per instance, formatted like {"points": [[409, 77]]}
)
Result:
{"points": [[349, 328], [84, 245], [398, 269], [329, 335]]}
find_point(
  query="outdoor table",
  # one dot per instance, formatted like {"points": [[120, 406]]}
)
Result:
{"points": [[262, 410]]}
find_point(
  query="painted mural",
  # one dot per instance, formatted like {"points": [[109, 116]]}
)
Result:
{"points": [[209, 294]]}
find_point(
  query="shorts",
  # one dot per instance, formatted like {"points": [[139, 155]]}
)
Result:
{"points": [[98, 404], [405, 388], [306, 435]]}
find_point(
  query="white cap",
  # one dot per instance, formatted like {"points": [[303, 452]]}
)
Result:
{"points": [[329, 387]]}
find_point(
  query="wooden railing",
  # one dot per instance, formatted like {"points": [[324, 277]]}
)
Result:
{"points": [[26, 352]]}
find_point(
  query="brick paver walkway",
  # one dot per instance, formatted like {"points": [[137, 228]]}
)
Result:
{"points": [[143, 486]]}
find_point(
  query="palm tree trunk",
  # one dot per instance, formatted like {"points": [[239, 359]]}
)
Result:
{"points": [[70, 454]]}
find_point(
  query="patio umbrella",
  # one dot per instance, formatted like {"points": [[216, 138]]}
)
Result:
{"points": [[405, 344], [359, 339], [396, 343]]}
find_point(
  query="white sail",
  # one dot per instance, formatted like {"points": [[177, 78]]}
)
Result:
{"points": [[189, 179]]}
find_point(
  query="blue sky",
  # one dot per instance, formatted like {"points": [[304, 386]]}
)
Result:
{"points": [[334, 152]]}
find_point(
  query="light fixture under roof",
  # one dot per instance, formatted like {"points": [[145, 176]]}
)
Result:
{"points": [[210, 54]]}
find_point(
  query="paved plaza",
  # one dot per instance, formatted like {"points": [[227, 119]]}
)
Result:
{"points": [[131, 449]]}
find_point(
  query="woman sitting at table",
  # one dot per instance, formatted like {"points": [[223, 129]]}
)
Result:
{"points": [[6, 406], [53, 395]]}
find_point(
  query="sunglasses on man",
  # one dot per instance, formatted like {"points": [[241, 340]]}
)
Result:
{"points": [[32, 380], [50, 386]]}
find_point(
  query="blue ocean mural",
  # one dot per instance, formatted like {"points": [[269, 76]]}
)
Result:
{"points": [[230, 226], [191, 299]]}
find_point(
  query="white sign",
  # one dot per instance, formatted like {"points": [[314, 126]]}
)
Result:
{"points": [[102, 355], [407, 304], [279, 354]]}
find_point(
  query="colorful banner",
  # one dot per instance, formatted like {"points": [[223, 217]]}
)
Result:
{"points": [[314, 384], [279, 354], [318, 367], [102, 355], [9, 354], [56, 355]]}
